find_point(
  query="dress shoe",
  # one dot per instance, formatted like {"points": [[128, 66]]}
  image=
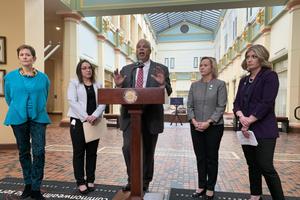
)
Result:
{"points": [[83, 190], [198, 194], [210, 197], [91, 187], [146, 188], [37, 195], [126, 188], [27, 191]]}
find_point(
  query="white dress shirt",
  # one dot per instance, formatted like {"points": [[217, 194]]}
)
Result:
{"points": [[145, 72]]}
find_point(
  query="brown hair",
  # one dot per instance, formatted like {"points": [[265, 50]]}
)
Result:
{"points": [[79, 73], [262, 54], [25, 46], [213, 64]]}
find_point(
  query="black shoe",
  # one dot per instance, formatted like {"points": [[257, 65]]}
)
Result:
{"points": [[83, 191], [198, 194], [210, 197], [146, 188], [37, 195], [90, 189], [126, 188], [27, 191]]}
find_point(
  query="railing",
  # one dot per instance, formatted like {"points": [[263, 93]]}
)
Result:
{"points": [[295, 112], [52, 51]]}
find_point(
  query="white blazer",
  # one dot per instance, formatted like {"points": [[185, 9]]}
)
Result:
{"points": [[77, 98]]}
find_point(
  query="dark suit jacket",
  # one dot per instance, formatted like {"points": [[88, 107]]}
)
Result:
{"points": [[153, 115], [261, 103]]}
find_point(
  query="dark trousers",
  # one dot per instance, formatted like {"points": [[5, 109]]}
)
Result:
{"points": [[206, 147], [260, 162], [83, 150], [33, 169], [149, 143]]}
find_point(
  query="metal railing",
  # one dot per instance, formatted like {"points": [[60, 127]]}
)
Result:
{"points": [[296, 111]]}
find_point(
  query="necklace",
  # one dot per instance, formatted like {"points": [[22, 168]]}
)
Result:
{"points": [[32, 74]]}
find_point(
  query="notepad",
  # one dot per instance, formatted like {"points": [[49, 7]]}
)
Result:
{"points": [[247, 141]]}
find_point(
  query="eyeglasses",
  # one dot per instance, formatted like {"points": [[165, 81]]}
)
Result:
{"points": [[86, 68]]}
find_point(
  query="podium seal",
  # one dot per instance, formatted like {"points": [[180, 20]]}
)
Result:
{"points": [[130, 96]]}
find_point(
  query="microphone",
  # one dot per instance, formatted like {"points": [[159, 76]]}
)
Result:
{"points": [[139, 64]]}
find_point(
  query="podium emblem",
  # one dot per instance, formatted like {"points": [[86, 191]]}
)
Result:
{"points": [[130, 96]]}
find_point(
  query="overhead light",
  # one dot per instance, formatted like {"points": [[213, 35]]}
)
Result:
{"points": [[57, 28]]}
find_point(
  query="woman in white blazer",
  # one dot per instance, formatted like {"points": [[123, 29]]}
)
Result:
{"points": [[82, 97]]}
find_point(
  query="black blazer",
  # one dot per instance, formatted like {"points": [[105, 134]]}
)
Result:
{"points": [[261, 102], [153, 114]]}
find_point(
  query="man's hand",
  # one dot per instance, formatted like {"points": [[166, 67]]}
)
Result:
{"points": [[159, 75], [118, 78]]}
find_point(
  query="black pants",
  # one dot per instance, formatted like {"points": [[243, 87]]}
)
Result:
{"points": [[206, 147], [149, 143], [260, 162], [81, 150]]}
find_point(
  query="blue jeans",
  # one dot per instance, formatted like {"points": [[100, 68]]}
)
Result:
{"points": [[33, 169]]}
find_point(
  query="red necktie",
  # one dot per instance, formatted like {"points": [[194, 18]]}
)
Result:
{"points": [[139, 80]]}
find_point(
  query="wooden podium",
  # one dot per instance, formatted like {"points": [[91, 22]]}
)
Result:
{"points": [[133, 99]]}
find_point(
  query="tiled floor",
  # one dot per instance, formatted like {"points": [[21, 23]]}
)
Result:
{"points": [[175, 164]]}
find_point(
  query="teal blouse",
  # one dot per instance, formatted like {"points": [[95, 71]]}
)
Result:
{"points": [[21, 92]]}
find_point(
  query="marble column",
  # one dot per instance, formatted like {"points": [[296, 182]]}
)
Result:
{"points": [[293, 84]]}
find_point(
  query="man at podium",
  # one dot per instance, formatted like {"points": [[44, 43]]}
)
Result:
{"points": [[144, 73]]}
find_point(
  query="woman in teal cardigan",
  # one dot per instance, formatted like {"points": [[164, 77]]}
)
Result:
{"points": [[26, 92]]}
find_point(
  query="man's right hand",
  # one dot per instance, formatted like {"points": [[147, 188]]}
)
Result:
{"points": [[118, 78]]}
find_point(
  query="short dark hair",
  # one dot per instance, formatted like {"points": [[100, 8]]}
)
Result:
{"points": [[25, 46], [79, 74]]}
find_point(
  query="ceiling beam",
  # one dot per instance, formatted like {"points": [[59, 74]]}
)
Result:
{"points": [[122, 7]]}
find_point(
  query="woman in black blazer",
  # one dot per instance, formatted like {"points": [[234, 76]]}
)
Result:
{"points": [[82, 97], [254, 107]]}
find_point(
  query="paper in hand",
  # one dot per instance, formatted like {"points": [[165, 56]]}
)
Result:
{"points": [[247, 141], [92, 132]]}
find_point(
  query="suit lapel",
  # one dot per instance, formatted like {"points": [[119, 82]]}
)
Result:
{"points": [[151, 71], [256, 83]]}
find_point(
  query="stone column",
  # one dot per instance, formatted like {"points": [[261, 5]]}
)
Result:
{"points": [[70, 54], [101, 48], [266, 30], [134, 33], [293, 92], [34, 29], [128, 27]]}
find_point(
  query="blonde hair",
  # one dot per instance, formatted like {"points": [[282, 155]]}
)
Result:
{"points": [[213, 64], [262, 54]]}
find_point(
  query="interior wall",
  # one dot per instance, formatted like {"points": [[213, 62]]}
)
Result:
{"points": [[11, 12]]}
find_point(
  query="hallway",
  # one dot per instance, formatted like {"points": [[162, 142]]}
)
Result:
{"points": [[175, 164]]}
